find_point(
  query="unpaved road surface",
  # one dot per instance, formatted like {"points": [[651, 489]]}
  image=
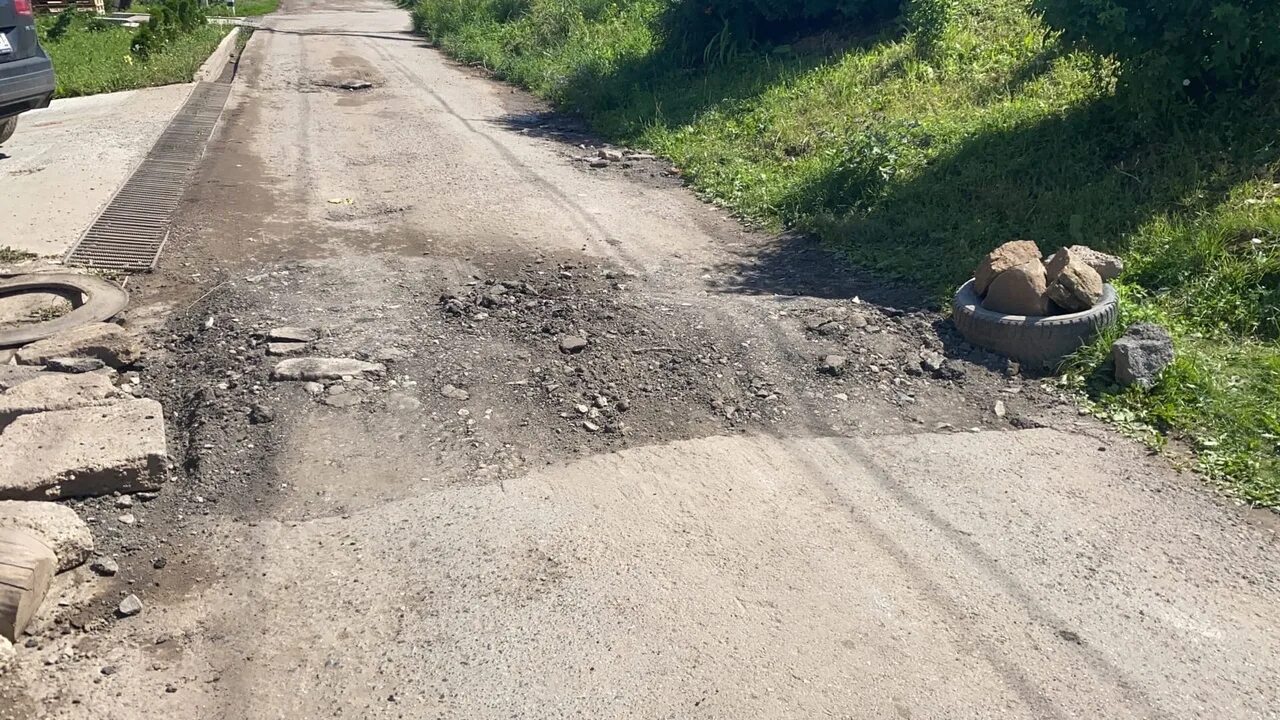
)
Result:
{"points": [[685, 519]]}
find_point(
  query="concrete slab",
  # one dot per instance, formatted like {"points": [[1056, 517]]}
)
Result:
{"points": [[64, 163], [89, 451], [57, 525], [57, 391]]}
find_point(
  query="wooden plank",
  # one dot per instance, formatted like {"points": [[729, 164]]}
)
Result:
{"points": [[26, 567]]}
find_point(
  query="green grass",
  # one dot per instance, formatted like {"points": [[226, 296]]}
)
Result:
{"points": [[246, 8], [915, 156], [87, 62]]}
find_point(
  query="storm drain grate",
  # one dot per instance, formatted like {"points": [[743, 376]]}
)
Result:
{"points": [[130, 232]]}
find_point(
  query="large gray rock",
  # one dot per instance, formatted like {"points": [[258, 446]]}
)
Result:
{"points": [[1073, 284], [88, 451], [1020, 290], [1141, 354], [319, 368], [57, 391], [1009, 255], [104, 341], [57, 525]]}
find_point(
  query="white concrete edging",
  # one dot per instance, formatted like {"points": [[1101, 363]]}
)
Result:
{"points": [[212, 68]]}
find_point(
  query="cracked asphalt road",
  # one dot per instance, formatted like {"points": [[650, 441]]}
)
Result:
{"points": [[739, 536]]}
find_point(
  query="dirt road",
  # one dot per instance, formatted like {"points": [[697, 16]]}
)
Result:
{"points": [[684, 519]]}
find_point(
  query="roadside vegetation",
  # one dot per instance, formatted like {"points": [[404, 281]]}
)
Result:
{"points": [[93, 56], [916, 137], [245, 8]]}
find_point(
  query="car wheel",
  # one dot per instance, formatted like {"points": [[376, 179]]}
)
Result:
{"points": [[1041, 342], [7, 126]]}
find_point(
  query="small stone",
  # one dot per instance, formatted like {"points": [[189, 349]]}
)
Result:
{"points": [[314, 388], [159, 563], [170, 689], [108, 670], [590, 426], [572, 344], [610, 155], [598, 163], [1012, 368], [124, 501], [455, 393], [833, 364], [1141, 354], [74, 365], [104, 566], [127, 519], [932, 360], [129, 606], [146, 496], [1000, 409], [259, 414]]}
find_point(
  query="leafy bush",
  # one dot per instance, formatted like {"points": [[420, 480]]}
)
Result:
{"points": [[1204, 46], [60, 26], [168, 22]]}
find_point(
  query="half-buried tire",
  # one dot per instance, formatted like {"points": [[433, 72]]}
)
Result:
{"points": [[102, 300], [1036, 341]]}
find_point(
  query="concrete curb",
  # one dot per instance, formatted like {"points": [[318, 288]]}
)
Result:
{"points": [[212, 68]]}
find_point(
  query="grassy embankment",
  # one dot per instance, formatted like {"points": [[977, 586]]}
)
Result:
{"points": [[94, 57], [915, 153]]}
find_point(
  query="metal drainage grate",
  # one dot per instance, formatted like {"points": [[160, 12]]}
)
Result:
{"points": [[130, 232]]}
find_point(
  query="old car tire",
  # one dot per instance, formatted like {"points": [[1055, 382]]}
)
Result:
{"points": [[7, 127], [1039, 342], [102, 301]]}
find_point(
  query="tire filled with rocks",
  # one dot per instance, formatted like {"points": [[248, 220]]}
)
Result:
{"points": [[1035, 310]]}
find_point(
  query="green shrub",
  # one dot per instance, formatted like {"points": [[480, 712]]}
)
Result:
{"points": [[1200, 46], [168, 22], [60, 26]]}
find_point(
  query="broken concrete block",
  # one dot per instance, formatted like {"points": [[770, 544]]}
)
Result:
{"points": [[1009, 255], [57, 525], [26, 566], [292, 334], [88, 451], [57, 391], [1141, 354], [14, 375], [1073, 284], [104, 341], [317, 368], [1019, 291]]}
